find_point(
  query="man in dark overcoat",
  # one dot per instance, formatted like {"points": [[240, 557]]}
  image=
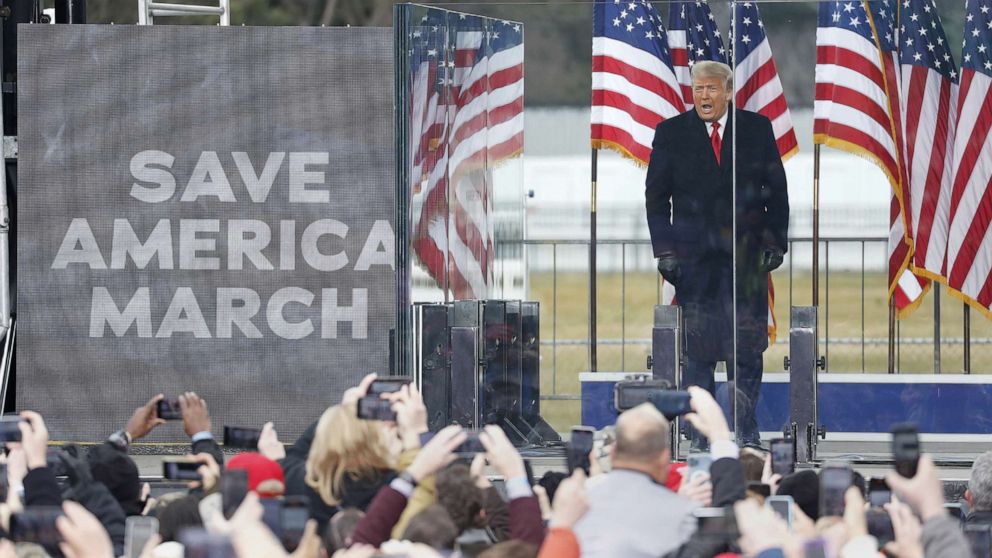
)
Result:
{"points": [[694, 201]]}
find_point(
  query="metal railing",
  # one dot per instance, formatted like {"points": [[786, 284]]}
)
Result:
{"points": [[851, 261]]}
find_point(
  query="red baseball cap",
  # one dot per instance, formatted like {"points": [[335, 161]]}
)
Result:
{"points": [[265, 477]]}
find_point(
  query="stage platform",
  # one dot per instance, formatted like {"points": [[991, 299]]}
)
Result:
{"points": [[868, 457]]}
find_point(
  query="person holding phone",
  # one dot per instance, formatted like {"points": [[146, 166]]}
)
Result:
{"points": [[631, 513], [924, 493], [979, 493]]}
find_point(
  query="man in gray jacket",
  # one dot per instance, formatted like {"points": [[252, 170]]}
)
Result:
{"points": [[979, 493], [631, 512]]}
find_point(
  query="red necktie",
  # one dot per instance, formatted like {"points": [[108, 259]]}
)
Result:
{"points": [[715, 140]]}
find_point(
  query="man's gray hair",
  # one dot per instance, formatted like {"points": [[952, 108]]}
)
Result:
{"points": [[713, 69], [641, 434], [980, 482]]}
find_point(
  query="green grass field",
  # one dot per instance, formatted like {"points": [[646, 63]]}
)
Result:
{"points": [[625, 311]]}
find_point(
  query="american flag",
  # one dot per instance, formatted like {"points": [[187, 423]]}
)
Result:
{"points": [[633, 81], [906, 288], [466, 117], [758, 87], [856, 109], [929, 92], [693, 35], [969, 251]]}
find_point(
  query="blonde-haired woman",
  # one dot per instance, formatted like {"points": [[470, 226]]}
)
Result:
{"points": [[342, 461]]}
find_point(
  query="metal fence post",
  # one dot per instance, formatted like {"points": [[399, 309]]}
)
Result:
{"points": [[967, 339], [936, 328]]}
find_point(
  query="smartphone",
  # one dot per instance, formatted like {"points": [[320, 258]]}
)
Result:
{"points": [[9, 429], [4, 482], [389, 384], [137, 530], [293, 519], [879, 493], [979, 539], [241, 437], [835, 479], [168, 409], [783, 456], [198, 543], [371, 407], [698, 464], [180, 469], [880, 526], [233, 489], [579, 446], [36, 525], [782, 505], [472, 444], [628, 394], [906, 449], [671, 403], [717, 524], [815, 548]]}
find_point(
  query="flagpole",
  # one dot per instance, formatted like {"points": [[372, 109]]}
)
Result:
{"points": [[892, 336], [592, 262], [816, 225], [967, 339]]}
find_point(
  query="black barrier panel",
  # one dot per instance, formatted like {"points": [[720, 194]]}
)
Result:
{"points": [[204, 209]]}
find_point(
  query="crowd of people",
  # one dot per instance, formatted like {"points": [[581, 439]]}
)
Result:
{"points": [[391, 488]]}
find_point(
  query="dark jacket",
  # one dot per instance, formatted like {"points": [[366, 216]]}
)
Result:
{"points": [[41, 488], [387, 507], [983, 517], [727, 476], [356, 493], [689, 200], [209, 446]]}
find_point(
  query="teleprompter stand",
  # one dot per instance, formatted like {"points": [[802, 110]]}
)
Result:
{"points": [[478, 363], [803, 364], [665, 361]]}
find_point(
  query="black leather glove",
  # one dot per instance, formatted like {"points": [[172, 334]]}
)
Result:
{"points": [[772, 259], [669, 268]]}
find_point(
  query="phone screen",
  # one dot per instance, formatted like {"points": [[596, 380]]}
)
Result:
{"points": [[373, 408], [472, 444], [241, 437], [168, 410], [4, 483], [880, 526], [233, 489], [579, 447], [36, 525], [878, 492], [906, 450], [180, 470], [697, 464], [834, 482], [717, 524], [198, 543], [671, 403], [9, 429], [294, 516], [137, 530], [783, 457], [387, 385], [782, 505]]}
